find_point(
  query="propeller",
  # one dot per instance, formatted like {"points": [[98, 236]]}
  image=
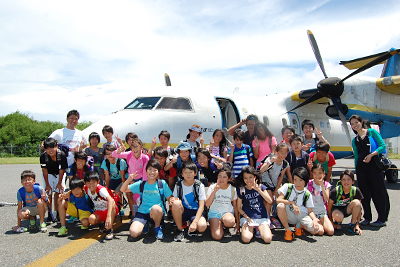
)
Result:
{"points": [[333, 87], [167, 80]]}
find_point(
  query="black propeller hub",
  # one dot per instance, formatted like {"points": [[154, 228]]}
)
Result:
{"points": [[330, 87]]}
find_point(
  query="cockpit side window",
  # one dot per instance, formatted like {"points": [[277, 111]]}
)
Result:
{"points": [[175, 103], [143, 103]]}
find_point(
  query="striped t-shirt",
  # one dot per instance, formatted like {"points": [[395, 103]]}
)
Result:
{"points": [[241, 159]]}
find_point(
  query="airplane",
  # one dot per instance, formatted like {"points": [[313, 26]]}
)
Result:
{"points": [[330, 105]]}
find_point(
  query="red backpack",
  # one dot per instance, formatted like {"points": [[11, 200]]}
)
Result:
{"points": [[114, 196]]}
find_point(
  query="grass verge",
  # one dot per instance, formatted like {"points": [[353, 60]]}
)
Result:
{"points": [[20, 160]]}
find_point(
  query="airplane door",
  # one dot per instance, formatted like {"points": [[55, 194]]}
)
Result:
{"points": [[229, 112], [294, 121]]}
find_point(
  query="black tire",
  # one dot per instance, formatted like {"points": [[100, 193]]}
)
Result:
{"points": [[392, 174]]}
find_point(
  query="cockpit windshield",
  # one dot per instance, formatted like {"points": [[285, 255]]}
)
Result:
{"points": [[143, 103], [166, 103]]}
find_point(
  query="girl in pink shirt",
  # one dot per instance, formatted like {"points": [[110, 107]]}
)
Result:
{"points": [[264, 142]]}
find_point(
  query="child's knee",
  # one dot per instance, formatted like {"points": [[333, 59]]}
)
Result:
{"points": [[246, 237], [281, 207], [92, 219], [85, 222], [267, 238], [217, 235], [176, 204], [228, 221], [337, 216], [156, 210]]}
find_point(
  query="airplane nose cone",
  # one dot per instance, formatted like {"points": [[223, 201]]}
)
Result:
{"points": [[330, 87]]}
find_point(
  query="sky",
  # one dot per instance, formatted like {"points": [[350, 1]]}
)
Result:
{"points": [[97, 56]]}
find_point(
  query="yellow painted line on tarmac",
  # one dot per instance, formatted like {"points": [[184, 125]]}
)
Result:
{"points": [[74, 247]]}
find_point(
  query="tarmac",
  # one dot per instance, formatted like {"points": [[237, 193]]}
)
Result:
{"points": [[375, 247]]}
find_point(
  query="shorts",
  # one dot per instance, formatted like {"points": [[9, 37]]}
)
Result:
{"points": [[257, 222], [103, 213], [343, 209], [189, 215], [115, 184], [53, 181], [302, 218], [73, 211], [145, 218], [33, 211], [218, 215]]}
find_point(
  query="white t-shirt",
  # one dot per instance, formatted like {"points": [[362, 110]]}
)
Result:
{"points": [[99, 203], [188, 200], [71, 138], [222, 199], [300, 195], [318, 199]]}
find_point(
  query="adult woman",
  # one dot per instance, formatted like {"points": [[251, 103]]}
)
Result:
{"points": [[367, 145]]}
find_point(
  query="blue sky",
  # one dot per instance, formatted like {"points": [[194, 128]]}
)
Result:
{"points": [[96, 56]]}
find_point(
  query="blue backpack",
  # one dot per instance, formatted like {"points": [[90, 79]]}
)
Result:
{"points": [[160, 190], [36, 190]]}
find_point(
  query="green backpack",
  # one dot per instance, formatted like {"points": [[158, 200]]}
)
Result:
{"points": [[306, 196]]}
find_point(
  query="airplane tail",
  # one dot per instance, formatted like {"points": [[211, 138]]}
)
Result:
{"points": [[392, 66]]}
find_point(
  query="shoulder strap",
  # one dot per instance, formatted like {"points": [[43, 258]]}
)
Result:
{"points": [[141, 189], [108, 166], [161, 191], [118, 164], [310, 187], [179, 189], [289, 191], [306, 197], [233, 192], [339, 192], [196, 189], [22, 194], [58, 155], [352, 192]]}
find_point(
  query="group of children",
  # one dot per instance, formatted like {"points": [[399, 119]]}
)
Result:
{"points": [[277, 185]]}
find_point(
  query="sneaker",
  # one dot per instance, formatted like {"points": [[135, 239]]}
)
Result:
{"points": [[102, 228], [21, 230], [121, 212], [63, 231], [258, 235], [110, 234], [365, 222], [289, 235], [195, 233], [378, 224], [72, 219], [275, 222], [32, 224], [159, 233], [227, 233], [84, 227], [145, 229], [180, 236], [271, 225], [43, 227], [298, 231]]}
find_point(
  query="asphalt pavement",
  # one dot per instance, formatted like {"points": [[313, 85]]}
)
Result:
{"points": [[375, 247]]}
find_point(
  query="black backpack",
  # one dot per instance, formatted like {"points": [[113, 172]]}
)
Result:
{"points": [[196, 189]]}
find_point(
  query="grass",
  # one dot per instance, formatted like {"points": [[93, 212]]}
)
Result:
{"points": [[394, 156], [20, 160]]}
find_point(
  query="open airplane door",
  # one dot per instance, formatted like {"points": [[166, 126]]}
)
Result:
{"points": [[294, 122]]}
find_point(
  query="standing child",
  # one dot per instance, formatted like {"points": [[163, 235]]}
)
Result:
{"points": [[188, 202], [295, 206], [241, 154], [311, 138], [75, 203], [79, 167], [250, 205], [108, 133], [319, 189], [164, 138], [287, 132], [153, 193], [221, 201], [31, 202], [297, 157], [194, 133], [345, 200], [323, 156], [129, 140], [96, 152], [104, 205], [217, 147], [183, 155], [264, 142]]}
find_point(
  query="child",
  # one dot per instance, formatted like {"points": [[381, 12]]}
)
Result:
{"points": [[310, 138], [79, 167], [104, 205], [207, 166], [241, 154], [221, 201], [319, 189], [75, 204], [194, 133], [183, 155], [297, 157], [295, 206], [53, 162], [108, 133], [273, 168], [345, 200], [323, 156], [250, 205], [188, 202], [217, 146], [31, 202], [129, 140], [164, 138], [264, 142], [153, 192], [287, 132], [94, 151], [161, 155]]}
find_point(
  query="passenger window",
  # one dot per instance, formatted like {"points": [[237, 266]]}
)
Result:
{"points": [[284, 122], [174, 103], [143, 103], [266, 121], [328, 125], [321, 125], [294, 124]]}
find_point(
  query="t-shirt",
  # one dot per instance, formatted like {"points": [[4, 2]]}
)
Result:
{"points": [[134, 164], [264, 149], [248, 139], [345, 199], [222, 199], [97, 158], [113, 142], [81, 203], [273, 173], [298, 197], [314, 138], [114, 172], [215, 150], [240, 158], [211, 173], [189, 201], [253, 203], [317, 195], [31, 199], [54, 167], [296, 162], [99, 199], [71, 138], [79, 173], [151, 195], [325, 163]]}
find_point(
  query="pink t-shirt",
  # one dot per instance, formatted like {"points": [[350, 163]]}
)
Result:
{"points": [[264, 148], [134, 164]]}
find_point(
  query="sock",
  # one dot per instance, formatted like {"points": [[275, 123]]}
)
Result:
{"points": [[298, 225], [287, 229]]}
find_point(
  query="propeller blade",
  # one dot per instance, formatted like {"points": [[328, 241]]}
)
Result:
{"points": [[317, 54], [374, 62], [312, 98], [167, 80], [338, 104]]}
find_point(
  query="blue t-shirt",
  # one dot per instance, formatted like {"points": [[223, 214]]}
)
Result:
{"points": [[253, 203], [114, 172], [241, 159], [31, 199], [151, 195], [81, 203]]}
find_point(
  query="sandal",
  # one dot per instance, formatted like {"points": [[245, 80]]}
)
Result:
{"points": [[352, 229]]}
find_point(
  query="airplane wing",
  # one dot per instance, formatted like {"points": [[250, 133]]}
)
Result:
{"points": [[359, 62]]}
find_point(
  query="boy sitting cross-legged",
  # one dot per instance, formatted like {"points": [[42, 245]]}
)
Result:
{"points": [[153, 194], [188, 202], [75, 202]]}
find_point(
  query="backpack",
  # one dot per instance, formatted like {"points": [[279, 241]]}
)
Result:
{"points": [[339, 192], [160, 191], [114, 196], [306, 196], [293, 159], [196, 189], [311, 188], [87, 167], [118, 163], [247, 152], [179, 165], [60, 147], [284, 166], [22, 193]]}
